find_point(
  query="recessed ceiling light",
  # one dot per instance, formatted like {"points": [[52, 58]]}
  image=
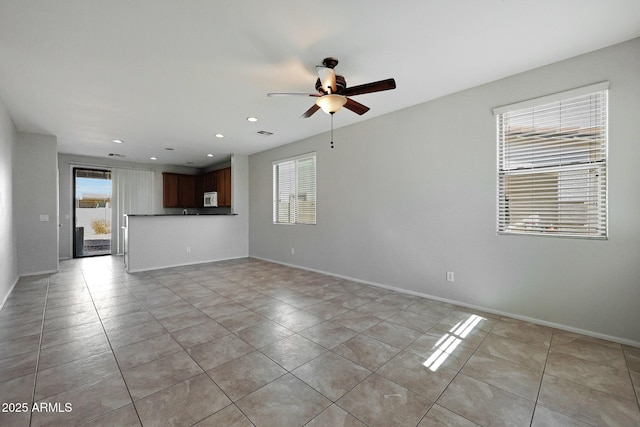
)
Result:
{"points": [[153, 158], [219, 135], [209, 155], [118, 141], [252, 119]]}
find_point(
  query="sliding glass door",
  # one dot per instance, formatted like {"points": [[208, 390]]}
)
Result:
{"points": [[92, 212]]}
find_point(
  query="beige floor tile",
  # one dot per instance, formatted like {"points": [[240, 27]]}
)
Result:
{"points": [[219, 351], [285, 402], [393, 334], [227, 417], [121, 417], [485, 404], [275, 309], [184, 320], [335, 416], [146, 351], [532, 356], [356, 320], [409, 319], [442, 417], [87, 401], [632, 356], [73, 350], [409, 371], [328, 334], [159, 374], [586, 404], [441, 350], [18, 346], [73, 333], [299, 320], [588, 349], [366, 351], [293, 351], [182, 404], [240, 320], [134, 334], [245, 374], [16, 391], [544, 417], [523, 331], [128, 320], [18, 366], [590, 374], [484, 368], [331, 375], [63, 377], [199, 334], [379, 402], [505, 375]]}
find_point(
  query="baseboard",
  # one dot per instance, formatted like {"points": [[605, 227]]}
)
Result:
{"points": [[606, 337], [38, 273], [141, 270], [6, 297]]}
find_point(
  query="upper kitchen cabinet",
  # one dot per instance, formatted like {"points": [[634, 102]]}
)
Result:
{"points": [[186, 191], [223, 186], [178, 190], [170, 190]]}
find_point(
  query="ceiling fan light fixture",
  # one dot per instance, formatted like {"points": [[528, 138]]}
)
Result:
{"points": [[331, 103]]}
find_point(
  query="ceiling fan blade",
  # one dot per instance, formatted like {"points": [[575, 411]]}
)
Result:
{"points": [[356, 107], [328, 78], [370, 87], [310, 112], [292, 94]]}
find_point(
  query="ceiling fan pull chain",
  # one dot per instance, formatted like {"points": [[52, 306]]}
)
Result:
{"points": [[332, 129]]}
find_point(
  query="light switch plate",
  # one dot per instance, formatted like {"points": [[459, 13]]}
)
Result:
{"points": [[44, 218]]}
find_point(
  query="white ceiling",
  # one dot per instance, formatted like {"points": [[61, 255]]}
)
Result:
{"points": [[170, 74]]}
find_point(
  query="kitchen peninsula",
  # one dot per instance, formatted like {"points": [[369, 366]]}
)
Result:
{"points": [[169, 240]]}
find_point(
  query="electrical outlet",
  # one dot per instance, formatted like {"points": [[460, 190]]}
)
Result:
{"points": [[188, 249], [450, 276], [293, 251]]}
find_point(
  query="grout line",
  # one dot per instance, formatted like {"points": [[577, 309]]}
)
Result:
{"points": [[35, 377]]}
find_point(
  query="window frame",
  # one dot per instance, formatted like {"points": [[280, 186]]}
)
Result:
{"points": [[275, 165], [595, 172]]}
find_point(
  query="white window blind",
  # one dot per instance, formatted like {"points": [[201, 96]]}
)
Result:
{"points": [[552, 165], [294, 190]]}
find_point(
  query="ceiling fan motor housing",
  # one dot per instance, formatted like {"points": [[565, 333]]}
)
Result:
{"points": [[341, 85]]}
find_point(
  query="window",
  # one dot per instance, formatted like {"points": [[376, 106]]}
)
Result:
{"points": [[294, 190], [552, 165]]}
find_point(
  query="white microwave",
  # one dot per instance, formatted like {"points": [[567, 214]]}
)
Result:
{"points": [[211, 199]]}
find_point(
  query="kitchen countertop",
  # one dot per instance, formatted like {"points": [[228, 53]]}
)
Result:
{"points": [[189, 214]]}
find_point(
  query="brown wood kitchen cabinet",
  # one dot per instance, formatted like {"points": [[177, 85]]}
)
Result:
{"points": [[186, 191], [223, 186], [178, 190], [169, 190]]}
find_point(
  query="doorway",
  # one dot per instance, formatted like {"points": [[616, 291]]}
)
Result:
{"points": [[92, 212]]}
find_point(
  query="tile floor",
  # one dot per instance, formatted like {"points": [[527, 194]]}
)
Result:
{"points": [[251, 343]]}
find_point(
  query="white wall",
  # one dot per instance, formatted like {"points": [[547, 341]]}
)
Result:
{"points": [[405, 197], [36, 194], [8, 228]]}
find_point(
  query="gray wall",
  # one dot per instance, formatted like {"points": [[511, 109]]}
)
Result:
{"points": [[406, 197], [8, 226], [36, 194]]}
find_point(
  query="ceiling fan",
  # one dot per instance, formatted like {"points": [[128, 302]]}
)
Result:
{"points": [[333, 93]]}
